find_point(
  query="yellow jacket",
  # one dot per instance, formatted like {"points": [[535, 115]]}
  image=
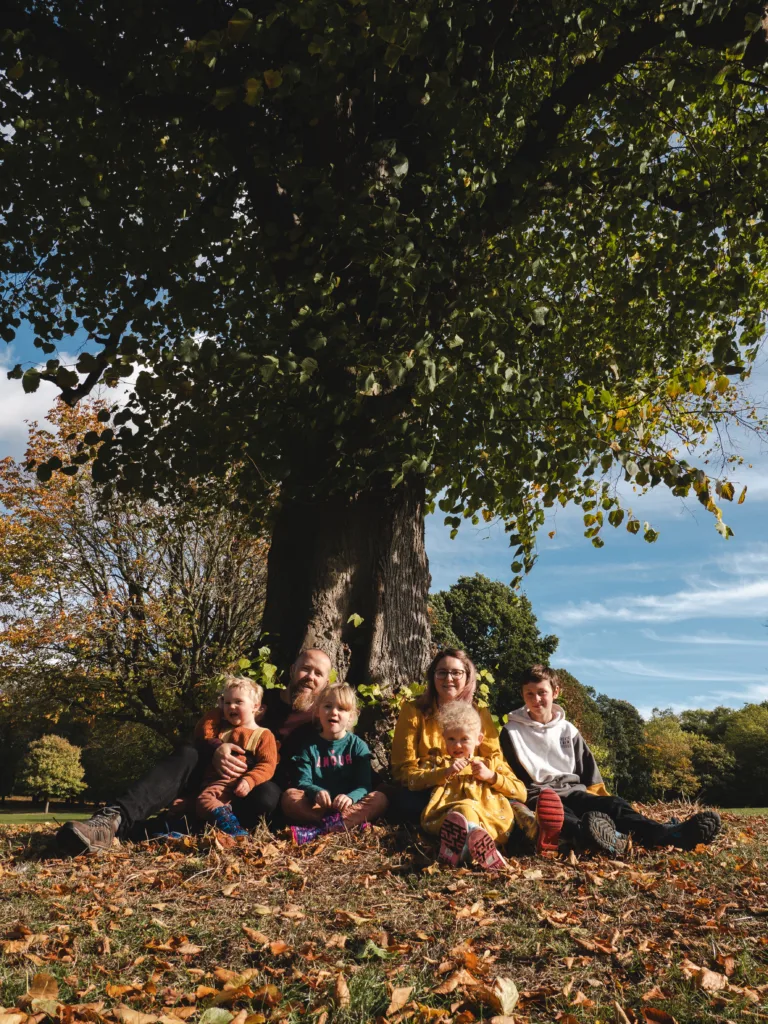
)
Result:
{"points": [[483, 803], [418, 743]]}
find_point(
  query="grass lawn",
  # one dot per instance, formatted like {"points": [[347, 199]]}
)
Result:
{"points": [[368, 928], [746, 810], [35, 817]]}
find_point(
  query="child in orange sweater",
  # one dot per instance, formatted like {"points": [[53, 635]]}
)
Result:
{"points": [[239, 708]]}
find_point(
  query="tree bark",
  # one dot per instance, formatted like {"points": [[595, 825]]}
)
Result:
{"points": [[365, 556], [47, 806]]}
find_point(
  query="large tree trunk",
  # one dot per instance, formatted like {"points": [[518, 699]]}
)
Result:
{"points": [[342, 557]]}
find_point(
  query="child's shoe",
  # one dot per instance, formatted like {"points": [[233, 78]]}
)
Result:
{"points": [[453, 838], [484, 851], [303, 834], [699, 828], [598, 831], [225, 821], [549, 819], [525, 819], [332, 823]]}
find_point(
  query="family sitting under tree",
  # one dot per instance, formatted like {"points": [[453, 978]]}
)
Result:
{"points": [[289, 756]]}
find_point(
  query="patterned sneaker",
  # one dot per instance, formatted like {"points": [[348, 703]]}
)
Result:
{"points": [[549, 818], [333, 823], [453, 838], [484, 851], [225, 821], [303, 834], [700, 828], [76, 837], [598, 831]]}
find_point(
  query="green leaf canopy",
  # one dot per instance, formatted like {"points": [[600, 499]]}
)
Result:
{"points": [[501, 247]]}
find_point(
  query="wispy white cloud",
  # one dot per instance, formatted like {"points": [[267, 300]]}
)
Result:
{"points": [[704, 639], [640, 669], [742, 596]]}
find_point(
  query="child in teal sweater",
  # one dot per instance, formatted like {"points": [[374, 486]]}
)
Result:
{"points": [[333, 773]]}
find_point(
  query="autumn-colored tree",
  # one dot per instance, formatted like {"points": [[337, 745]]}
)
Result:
{"points": [[51, 768], [668, 750], [120, 608]]}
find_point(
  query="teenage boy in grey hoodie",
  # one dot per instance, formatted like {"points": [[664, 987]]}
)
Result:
{"points": [[546, 751]]}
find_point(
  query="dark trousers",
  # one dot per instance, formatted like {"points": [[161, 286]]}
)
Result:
{"points": [[627, 820], [178, 774], [405, 805]]}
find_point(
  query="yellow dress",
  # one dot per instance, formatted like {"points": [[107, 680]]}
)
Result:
{"points": [[420, 761]]}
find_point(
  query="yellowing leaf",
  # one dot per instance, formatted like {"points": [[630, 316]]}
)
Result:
{"points": [[399, 998], [254, 90], [44, 986], [273, 79], [341, 996], [126, 1015]]}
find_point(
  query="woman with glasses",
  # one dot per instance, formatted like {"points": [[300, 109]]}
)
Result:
{"points": [[418, 739]]}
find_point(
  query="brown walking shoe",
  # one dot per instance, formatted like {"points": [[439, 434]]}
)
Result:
{"points": [[76, 837]]}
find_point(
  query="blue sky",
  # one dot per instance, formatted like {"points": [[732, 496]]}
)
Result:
{"points": [[679, 623]]}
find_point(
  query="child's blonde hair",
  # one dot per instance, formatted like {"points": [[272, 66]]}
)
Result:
{"points": [[243, 683], [459, 715], [344, 696]]}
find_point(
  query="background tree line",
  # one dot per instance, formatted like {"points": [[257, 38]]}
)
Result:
{"points": [[118, 616]]}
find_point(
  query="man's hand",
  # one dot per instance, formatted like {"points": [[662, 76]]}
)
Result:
{"points": [[341, 802], [323, 798], [241, 789], [457, 767], [482, 772], [226, 762]]}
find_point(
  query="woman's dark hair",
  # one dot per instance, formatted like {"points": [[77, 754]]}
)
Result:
{"points": [[428, 700]]}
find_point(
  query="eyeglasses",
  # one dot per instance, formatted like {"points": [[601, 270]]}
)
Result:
{"points": [[454, 673]]}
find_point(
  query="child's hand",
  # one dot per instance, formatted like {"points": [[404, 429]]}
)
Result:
{"points": [[241, 789], [457, 767], [482, 772], [323, 798], [341, 802]]}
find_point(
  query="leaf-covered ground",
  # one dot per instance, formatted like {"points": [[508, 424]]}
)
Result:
{"points": [[368, 927]]}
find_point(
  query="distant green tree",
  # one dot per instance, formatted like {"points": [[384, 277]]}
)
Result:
{"points": [[715, 767], [624, 736], [496, 627], [581, 707], [711, 724], [668, 750], [117, 754], [51, 767], [746, 737]]}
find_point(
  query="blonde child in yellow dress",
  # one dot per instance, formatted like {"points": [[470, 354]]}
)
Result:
{"points": [[469, 806]]}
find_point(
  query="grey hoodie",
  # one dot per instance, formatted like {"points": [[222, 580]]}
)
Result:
{"points": [[553, 755]]}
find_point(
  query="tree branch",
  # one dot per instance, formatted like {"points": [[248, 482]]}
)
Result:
{"points": [[546, 125]]}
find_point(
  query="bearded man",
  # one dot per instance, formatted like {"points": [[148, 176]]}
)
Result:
{"points": [[288, 714]]}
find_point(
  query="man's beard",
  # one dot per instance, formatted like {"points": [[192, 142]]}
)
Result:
{"points": [[303, 699]]}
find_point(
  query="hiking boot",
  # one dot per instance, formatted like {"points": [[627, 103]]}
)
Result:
{"points": [[549, 820], [598, 831], [525, 819], [303, 834], [225, 821], [76, 837], [484, 852], [453, 838], [699, 828]]}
